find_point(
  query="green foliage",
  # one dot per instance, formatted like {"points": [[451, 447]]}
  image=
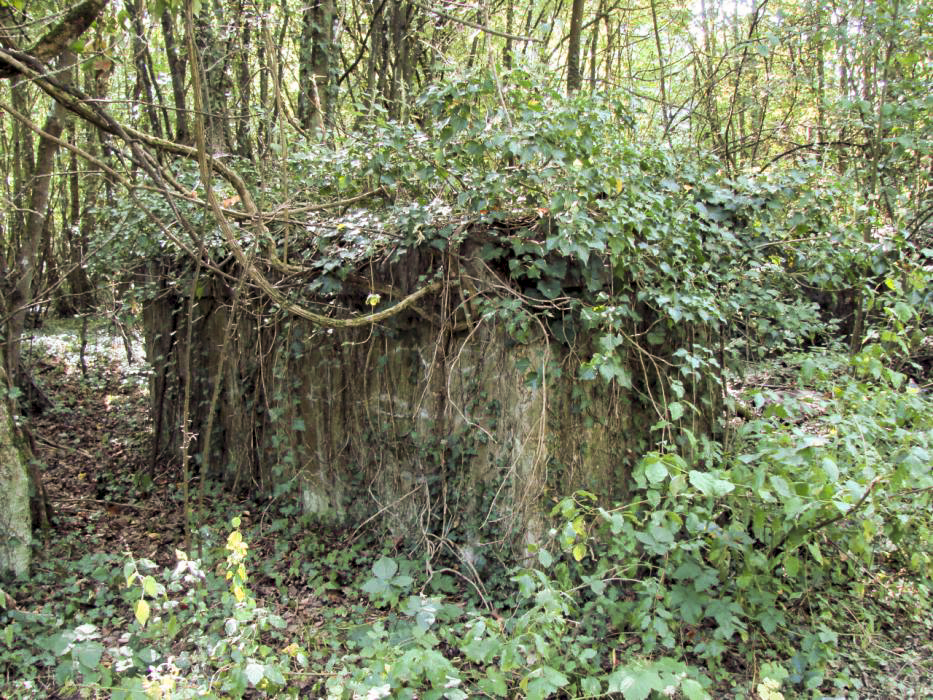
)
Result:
{"points": [[387, 584], [733, 551], [657, 269], [703, 564], [194, 634], [820, 505]]}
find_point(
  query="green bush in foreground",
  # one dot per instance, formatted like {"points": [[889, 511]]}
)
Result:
{"points": [[772, 571]]}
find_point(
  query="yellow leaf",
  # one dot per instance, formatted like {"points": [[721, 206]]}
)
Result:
{"points": [[142, 611], [579, 551], [579, 526]]}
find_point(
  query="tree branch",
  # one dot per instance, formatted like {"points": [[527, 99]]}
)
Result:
{"points": [[475, 25], [62, 35], [829, 521]]}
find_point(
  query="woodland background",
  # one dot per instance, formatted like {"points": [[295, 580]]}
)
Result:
{"points": [[706, 230]]}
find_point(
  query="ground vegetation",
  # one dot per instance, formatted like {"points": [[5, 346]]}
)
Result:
{"points": [[697, 239]]}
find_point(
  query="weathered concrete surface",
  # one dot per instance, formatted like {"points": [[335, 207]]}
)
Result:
{"points": [[443, 425]]}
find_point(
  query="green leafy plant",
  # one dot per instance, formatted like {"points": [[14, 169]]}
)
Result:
{"points": [[387, 583]]}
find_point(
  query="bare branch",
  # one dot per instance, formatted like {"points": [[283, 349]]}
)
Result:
{"points": [[61, 36]]}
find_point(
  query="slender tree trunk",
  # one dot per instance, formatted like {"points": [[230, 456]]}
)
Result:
{"points": [[79, 288], [214, 49], [30, 245], [316, 65], [375, 73], [177, 68], [594, 41], [141, 60], [662, 77], [574, 77], [244, 147], [15, 518], [264, 134], [821, 79], [509, 21]]}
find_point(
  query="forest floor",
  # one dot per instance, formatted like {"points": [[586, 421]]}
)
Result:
{"points": [[110, 507]]}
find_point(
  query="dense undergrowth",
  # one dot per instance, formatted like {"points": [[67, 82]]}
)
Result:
{"points": [[790, 556], [798, 565]]}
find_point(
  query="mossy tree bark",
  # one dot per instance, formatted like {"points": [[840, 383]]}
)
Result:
{"points": [[15, 519]]}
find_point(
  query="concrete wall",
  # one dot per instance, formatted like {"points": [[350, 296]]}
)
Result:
{"points": [[449, 432]]}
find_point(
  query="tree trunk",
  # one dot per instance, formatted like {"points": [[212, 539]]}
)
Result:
{"points": [[662, 82], [177, 67], [574, 77], [145, 85], [244, 146], [27, 257], [316, 65], [15, 519], [217, 82]]}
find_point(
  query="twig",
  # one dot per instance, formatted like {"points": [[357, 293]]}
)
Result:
{"points": [[48, 443], [113, 504], [476, 25], [378, 513], [829, 521], [445, 570]]}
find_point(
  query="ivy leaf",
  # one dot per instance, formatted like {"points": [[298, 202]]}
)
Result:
{"points": [[709, 485], [676, 409], [425, 618], [482, 651], [688, 602], [634, 683], [550, 288], [385, 568], [375, 586], [142, 612], [255, 672], [494, 683], [769, 619], [61, 643], [274, 675], [725, 612], [548, 681], [692, 690], [89, 654], [655, 469]]}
